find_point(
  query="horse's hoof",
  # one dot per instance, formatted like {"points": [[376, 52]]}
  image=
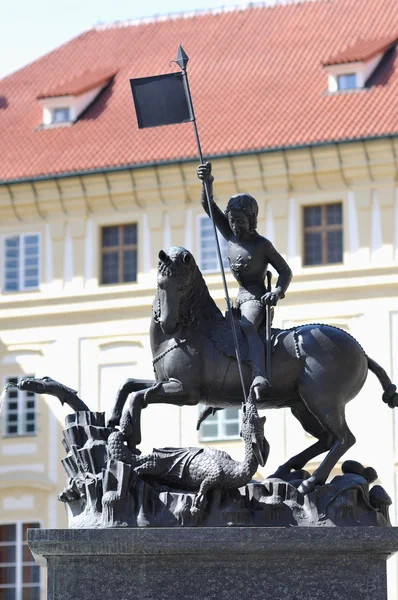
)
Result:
{"points": [[307, 486]]}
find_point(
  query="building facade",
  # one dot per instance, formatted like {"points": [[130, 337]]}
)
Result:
{"points": [[78, 260]]}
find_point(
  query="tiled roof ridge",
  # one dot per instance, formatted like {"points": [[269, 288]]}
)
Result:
{"points": [[199, 12]]}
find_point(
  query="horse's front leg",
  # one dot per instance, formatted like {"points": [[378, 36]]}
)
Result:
{"points": [[166, 392], [127, 387]]}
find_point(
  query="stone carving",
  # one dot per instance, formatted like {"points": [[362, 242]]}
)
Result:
{"points": [[317, 369]]}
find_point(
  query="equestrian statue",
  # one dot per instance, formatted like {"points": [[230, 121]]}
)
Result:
{"points": [[316, 369]]}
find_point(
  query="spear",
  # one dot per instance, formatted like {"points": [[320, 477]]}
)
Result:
{"points": [[165, 100]]}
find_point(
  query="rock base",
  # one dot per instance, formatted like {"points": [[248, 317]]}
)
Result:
{"points": [[216, 563], [104, 492]]}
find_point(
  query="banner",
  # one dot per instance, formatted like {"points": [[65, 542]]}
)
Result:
{"points": [[161, 100]]}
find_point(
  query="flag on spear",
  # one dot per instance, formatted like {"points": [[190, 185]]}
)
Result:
{"points": [[163, 99], [160, 100], [166, 100]]}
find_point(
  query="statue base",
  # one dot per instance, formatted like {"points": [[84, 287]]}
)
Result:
{"points": [[248, 563]]}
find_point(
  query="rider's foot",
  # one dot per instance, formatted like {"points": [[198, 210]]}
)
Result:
{"points": [[261, 386]]}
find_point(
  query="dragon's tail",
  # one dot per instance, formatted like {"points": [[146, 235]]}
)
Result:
{"points": [[390, 395]]}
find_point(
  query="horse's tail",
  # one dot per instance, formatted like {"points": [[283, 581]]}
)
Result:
{"points": [[390, 395]]}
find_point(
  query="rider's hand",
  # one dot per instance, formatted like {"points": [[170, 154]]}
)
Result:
{"points": [[204, 172], [271, 298]]}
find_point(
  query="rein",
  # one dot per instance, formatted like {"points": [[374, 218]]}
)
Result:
{"points": [[176, 344]]}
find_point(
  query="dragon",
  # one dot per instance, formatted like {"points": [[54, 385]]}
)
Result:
{"points": [[200, 469]]}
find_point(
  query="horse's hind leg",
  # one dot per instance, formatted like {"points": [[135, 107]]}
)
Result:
{"points": [[313, 427], [330, 414]]}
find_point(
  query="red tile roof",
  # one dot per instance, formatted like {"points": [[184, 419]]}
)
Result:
{"points": [[362, 51], [78, 85], [256, 77]]}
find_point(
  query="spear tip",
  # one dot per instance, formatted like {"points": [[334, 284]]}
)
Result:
{"points": [[182, 58]]}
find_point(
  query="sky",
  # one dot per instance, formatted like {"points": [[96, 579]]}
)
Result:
{"points": [[31, 28]]}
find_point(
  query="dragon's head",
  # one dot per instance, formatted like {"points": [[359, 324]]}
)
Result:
{"points": [[30, 384]]}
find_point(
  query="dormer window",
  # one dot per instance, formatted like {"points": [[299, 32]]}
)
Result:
{"points": [[347, 81], [351, 68], [61, 115], [63, 104]]}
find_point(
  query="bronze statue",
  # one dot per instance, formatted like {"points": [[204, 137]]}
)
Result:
{"points": [[317, 369], [249, 254], [200, 469], [109, 486]]}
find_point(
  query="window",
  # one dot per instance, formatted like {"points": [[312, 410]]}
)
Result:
{"points": [[224, 425], [19, 414], [208, 259], [119, 254], [323, 234], [21, 263], [19, 575], [61, 115], [347, 81]]}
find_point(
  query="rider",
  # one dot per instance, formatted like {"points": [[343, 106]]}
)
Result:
{"points": [[249, 254]]}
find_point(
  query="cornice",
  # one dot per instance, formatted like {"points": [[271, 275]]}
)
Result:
{"points": [[278, 172]]}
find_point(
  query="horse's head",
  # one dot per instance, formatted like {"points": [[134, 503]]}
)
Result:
{"points": [[177, 274]]}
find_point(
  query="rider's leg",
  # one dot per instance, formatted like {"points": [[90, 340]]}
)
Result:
{"points": [[252, 315]]}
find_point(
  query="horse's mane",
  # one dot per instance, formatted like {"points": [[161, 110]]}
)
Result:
{"points": [[198, 302]]}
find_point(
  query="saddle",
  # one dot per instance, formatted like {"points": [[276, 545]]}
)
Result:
{"points": [[221, 335]]}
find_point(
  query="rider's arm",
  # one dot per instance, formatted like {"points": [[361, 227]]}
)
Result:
{"points": [[282, 268], [220, 219]]}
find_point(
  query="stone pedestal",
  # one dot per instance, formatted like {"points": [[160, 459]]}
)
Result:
{"points": [[250, 563]]}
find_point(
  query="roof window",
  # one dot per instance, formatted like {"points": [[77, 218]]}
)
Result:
{"points": [[347, 81], [61, 115], [351, 68], [64, 103]]}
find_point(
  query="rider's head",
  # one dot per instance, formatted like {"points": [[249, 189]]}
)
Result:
{"points": [[247, 204]]}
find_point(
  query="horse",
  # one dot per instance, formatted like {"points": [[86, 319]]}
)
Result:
{"points": [[316, 369]]}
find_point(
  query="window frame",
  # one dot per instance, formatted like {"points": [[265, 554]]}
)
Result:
{"points": [[343, 76], [221, 240], [120, 249], [323, 228], [221, 423], [21, 411], [58, 109], [19, 563], [21, 278]]}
